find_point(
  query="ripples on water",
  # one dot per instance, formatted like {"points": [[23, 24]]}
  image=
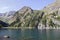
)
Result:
{"points": [[30, 34]]}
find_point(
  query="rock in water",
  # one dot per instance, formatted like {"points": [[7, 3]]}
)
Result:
{"points": [[6, 36]]}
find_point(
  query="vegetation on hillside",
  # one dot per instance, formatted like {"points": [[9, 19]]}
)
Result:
{"points": [[26, 17]]}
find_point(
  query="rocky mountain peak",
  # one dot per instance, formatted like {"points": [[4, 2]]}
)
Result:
{"points": [[53, 6], [25, 9]]}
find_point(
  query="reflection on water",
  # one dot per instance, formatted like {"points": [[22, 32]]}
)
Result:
{"points": [[31, 34]]}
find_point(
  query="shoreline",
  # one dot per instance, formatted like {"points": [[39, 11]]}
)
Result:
{"points": [[48, 27], [18, 27], [30, 28]]}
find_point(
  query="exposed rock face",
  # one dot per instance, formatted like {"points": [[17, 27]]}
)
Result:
{"points": [[52, 14], [7, 17], [53, 7], [26, 17]]}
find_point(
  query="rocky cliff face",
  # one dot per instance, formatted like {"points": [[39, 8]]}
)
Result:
{"points": [[26, 17], [52, 14]]}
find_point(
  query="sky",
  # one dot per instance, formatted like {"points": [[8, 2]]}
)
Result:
{"points": [[14, 5]]}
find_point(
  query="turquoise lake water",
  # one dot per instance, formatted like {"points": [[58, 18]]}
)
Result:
{"points": [[30, 34]]}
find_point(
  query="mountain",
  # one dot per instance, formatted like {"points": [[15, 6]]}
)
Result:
{"points": [[53, 6], [52, 14], [24, 17], [6, 17], [2, 14], [10, 13], [27, 17], [49, 16]]}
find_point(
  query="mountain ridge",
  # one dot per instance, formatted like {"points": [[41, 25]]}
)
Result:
{"points": [[27, 17]]}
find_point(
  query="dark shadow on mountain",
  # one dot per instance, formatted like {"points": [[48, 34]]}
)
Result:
{"points": [[3, 24]]}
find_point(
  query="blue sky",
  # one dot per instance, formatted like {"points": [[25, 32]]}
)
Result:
{"points": [[10, 5]]}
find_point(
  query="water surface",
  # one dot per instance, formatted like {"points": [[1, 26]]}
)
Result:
{"points": [[30, 34]]}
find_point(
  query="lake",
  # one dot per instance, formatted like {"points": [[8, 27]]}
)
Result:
{"points": [[30, 34]]}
